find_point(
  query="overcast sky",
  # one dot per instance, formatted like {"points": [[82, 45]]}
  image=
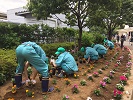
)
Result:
{"points": [[11, 4]]}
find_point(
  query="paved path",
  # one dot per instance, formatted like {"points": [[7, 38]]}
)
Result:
{"points": [[128, 93]]}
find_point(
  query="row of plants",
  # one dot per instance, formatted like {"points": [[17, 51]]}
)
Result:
{"points": [[74, 88], [117, 93], [106, 79], [119, 88]]}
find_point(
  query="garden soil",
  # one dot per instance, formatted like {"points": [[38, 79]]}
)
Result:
{"points": [[84, 91]]}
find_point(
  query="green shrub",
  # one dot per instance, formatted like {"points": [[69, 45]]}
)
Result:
{"points": [[50, 49], [98, 38], [87, 39], [7, 63], [2, 79]]}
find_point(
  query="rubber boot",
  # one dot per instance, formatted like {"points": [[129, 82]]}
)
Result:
{"points": [[18, 80], [45, 89], [61, 74], [53, 71], [65, 74], [101, 56], [59, 70], [71, 75]]}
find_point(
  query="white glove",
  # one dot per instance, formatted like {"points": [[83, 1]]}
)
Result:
{"points": [[33, 81], [27, 82], [52, 61]]}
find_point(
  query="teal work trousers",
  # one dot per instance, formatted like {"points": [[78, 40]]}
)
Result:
{"points": [[28, 53]]}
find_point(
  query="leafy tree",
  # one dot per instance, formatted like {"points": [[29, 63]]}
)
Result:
{"points": [[69, 34], [26, 32], [8, 37], [48, 33], [59, 34], [111, 14], [76, 11]]}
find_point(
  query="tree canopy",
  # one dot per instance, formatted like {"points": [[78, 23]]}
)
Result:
{"points": [[112, 15], [76, 11], [104, 13]]}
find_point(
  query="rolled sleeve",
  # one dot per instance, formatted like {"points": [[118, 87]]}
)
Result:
{"points": [[58, 62]]}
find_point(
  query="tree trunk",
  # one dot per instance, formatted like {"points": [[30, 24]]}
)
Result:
{"points": [[110, 35], [80, 38]]}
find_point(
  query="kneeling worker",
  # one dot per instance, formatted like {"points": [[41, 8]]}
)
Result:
{"points": [[65, 62], [91, 54], [100, 49]]}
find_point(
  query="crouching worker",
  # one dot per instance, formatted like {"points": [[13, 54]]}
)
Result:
{"points": [[65, 63], [91, 54], [100, 49], [34, 54], [109, 44]]}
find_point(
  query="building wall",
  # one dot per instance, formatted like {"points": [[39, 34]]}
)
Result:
{"points": [[52, 22], [13, 18], [3, 16]]}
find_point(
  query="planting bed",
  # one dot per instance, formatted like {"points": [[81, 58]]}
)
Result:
{"points": [[85, 86]]}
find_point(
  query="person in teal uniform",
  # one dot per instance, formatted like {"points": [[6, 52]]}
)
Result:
{"points": [[91, 54], [105, 40], [35, 55], [100, 49], [109, 44], [65, 63]]}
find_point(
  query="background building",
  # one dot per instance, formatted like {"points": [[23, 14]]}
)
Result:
{"points": [[21, 15], [3, 16]]}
